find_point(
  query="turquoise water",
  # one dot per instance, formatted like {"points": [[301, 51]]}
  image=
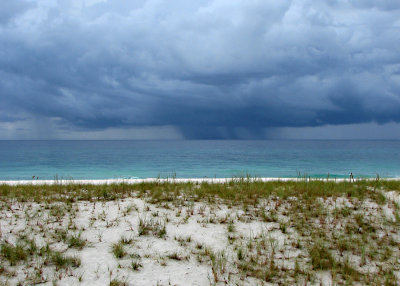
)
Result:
{"points": [[20, 160]]}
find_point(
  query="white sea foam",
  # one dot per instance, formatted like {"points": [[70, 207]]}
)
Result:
{"points": [[171, 180]]}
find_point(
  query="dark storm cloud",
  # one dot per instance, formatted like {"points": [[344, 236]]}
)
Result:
{"points": [[214, 69], [10, 9]]}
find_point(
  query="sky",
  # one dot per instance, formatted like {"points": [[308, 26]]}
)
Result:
{"points": [[210, 69]]}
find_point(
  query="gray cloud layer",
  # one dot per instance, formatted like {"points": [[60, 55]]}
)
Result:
{"points": [[212, 69]]}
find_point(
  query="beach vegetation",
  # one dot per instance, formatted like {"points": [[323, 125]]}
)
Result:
{"points": [[118, 282], [13, 253], [136, 264], [62, 261], [277, 232], [321, 258], [75, 241], [152, 226], [126, 240], [118, 250]]}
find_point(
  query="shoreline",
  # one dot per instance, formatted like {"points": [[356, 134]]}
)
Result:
{"points": [[177, 180]]}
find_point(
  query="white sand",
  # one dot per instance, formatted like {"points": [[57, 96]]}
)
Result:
{"points": [[99, 266], [172, 180], [102, 224]]}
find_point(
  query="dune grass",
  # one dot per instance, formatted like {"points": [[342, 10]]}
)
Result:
{"points": [[243, 190], [335, 227]]}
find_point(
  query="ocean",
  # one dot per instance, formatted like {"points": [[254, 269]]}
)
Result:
{"points": [[21, 160]]}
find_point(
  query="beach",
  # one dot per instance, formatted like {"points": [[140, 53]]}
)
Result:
{"points": [[178, 180], [200, 232]]}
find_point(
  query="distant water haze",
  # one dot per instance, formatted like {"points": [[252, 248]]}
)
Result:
{"points": [[21, 160]]}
